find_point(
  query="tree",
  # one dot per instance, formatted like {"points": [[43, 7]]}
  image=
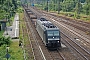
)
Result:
{"points": [[78, 9], [8, 7], [77, 6], [14, 2], [68, 5], [54, 2], [59, 6], [82, 1], [87, 7]]}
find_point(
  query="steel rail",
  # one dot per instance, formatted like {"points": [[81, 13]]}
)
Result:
{"points": [[23, 45], [30, 41], [72, 40], [76, 49], [61, 55]]}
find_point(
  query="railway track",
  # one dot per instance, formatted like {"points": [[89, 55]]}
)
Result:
{"points": [[42, 47], [79, 49], [30, 38], [25, 33], [83, 52], [48, 57], [75, 34], [36, 48], [56, 55]]}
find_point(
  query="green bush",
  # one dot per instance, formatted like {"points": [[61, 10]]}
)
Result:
{"points": [[20, 10], [4, 40]]}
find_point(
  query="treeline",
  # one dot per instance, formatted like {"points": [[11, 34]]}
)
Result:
{"points": [[8, 8], [77, 6]]}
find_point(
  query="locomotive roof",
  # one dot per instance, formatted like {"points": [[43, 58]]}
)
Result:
{"points": [[47, 24]]}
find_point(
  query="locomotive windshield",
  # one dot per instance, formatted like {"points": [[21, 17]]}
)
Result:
{"points": [[53, 33]]}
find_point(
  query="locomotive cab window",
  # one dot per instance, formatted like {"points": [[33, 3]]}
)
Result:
{"points": [[53, 33], [56, 33], [50, 33]]}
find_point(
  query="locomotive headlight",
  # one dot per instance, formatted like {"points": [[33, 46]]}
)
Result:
{"points": [[53, 37], [58, 41]]}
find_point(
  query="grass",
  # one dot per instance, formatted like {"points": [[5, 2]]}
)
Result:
{"points": [[16, 52], [21, 24], [1, 33]]}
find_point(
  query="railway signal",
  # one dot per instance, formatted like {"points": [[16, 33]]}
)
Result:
{"points": [[7, 54]]}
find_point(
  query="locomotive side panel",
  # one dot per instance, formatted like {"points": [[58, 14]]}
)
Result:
{"points": [[41, 32]]}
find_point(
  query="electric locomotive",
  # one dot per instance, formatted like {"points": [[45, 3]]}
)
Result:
{"points": [[49, 33]]}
